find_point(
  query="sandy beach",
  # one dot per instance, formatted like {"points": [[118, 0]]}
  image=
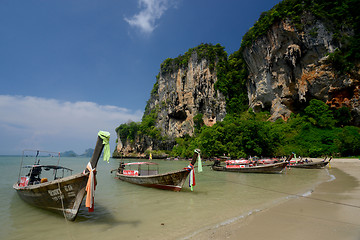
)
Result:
{"points": [[331, 211]]}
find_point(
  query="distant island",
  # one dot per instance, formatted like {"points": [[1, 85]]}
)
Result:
{"points": [[88, 153]]}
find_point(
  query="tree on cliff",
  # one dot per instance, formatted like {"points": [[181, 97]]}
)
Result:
{"points": [[319, 114]]}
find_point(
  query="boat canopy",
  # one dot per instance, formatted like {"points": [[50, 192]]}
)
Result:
{"points": [[141, 163], [47, 167], [266, 160], [240, 161]]}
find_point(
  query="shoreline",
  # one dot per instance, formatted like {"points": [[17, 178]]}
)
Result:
{"points": [[330, 212]]}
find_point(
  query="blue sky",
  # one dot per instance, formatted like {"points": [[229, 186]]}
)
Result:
{"points": [[70, 68]]}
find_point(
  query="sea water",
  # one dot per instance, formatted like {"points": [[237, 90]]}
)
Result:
{"points": [[127, 211]]}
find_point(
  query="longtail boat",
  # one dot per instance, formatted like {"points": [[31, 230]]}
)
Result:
{"points": [[242, 168], [143, 176], [62, 193], [248, 166], [309, 164]]}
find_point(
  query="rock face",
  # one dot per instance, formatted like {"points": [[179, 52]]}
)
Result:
{"points": [[184, 93], [181, 94], [288, 68]]}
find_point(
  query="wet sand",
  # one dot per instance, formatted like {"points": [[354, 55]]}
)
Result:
{"points": [[331, 212]]}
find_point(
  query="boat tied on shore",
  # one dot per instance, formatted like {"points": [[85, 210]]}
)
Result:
{"points": [[54, 187], [309, 164], [145, 174], [251, 166]]}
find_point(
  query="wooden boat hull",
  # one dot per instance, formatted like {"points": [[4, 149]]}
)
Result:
{"points": [[168, 181], [265, 168], [62, 195], [310, 165]]}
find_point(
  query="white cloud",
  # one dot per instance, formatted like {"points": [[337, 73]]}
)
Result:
{"points": [[49, 124], [152, 10]]}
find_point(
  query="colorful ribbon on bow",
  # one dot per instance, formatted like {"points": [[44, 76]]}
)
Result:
{"points": [[200, 169], [105, 136], [190, 168], [192, 179], [90, 188]]}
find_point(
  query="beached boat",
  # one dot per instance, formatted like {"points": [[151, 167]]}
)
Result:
{"points": [[251, 166], [309, 164], [244, 168], [61, 193], [147, 177]]}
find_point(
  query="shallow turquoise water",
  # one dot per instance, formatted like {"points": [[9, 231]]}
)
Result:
{"points": [[127, 211]]}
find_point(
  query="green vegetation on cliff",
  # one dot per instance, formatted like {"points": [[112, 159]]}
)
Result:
{"points": [[206, 51], [232, 77], [129, 132], [311, 133]]}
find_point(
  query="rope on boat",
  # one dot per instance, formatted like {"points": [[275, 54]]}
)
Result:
{"points": [[286, 193], [62, 202], [63, 210]]}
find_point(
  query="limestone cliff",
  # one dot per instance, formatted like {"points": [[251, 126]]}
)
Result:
{"points": [[184, 89], [288, 67], [284, 61], [184, 93]]}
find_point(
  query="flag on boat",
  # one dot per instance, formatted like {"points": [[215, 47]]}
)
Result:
{"points": [[200, 169], [105, 136], [192, 179]]}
